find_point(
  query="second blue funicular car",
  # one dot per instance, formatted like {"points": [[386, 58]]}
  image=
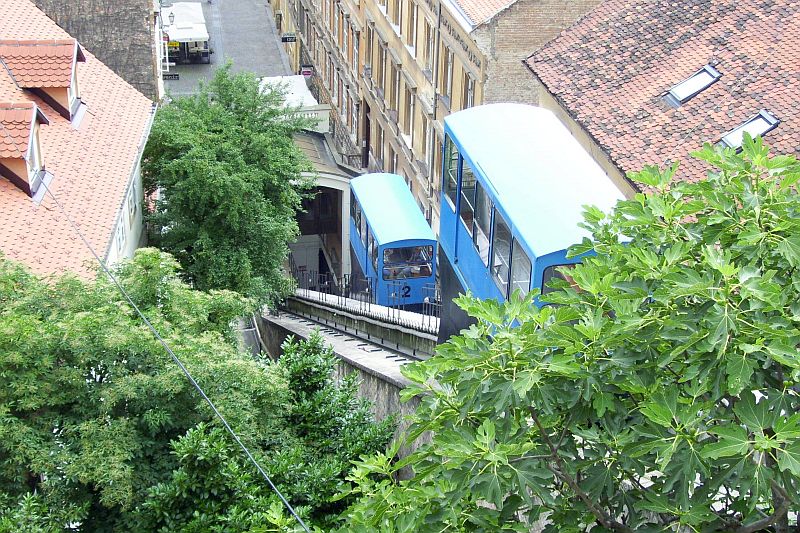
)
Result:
{"points": [[515, 183]]}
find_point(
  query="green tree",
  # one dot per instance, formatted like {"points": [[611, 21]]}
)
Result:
{"points": [[100, 429], [30, 513], [659, 392], [90, 401], [335, 426], [229, 180], [215, 489]]}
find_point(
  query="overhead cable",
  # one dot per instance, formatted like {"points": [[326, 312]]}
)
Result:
{"points": [[176, 360]]}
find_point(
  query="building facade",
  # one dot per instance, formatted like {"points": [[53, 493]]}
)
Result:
{"points": [[393, 69]]}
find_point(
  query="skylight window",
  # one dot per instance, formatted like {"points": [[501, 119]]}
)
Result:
{"points": [[759, 124], [691, 86]]}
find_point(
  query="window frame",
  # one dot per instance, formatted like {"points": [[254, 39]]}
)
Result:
{"points": [[447, 173], [132, 202], [515, 247], [487, 233], [468, 96], [34, 158], [550, 272], [446, 88], [463, 164], [430, 46], [771, 120], [503, 287], [370, 48], [674, 98], [411, 40], [406, 266], [120, 237], [355, 44]]}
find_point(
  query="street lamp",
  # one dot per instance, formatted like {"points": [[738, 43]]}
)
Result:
{"points": [[171, 18]]}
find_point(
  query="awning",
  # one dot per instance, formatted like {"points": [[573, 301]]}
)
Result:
{"points": [[188, 24], [297, 95]]}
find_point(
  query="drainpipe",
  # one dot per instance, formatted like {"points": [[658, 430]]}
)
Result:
{"points": [[435, 72]]}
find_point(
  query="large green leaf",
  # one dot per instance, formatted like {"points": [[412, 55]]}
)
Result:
{"points": [[789, 248], [662, 409], [732, 440], [739, 370], [789, 458]]}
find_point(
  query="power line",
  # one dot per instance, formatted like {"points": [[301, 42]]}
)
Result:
{"points": [[176, 359]]}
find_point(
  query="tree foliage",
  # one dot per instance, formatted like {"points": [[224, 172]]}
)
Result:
{"points": [[229, 180], [215, 489], [94, 414], [658, 392]]}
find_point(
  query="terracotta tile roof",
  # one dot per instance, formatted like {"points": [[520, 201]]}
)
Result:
{"points": [[91, 165], [479, 11], [611, 69], [16, 122], [42, 63]]}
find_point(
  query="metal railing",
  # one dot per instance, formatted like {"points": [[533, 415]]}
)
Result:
{"points": [[357, 294]]}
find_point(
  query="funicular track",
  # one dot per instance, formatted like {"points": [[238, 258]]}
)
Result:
{"points": [[349, 338]]}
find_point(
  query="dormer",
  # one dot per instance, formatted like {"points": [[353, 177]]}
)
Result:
{"points": [[48, 69], [21, 157]]}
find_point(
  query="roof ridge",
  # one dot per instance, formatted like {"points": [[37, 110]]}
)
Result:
{"points": [[17, 104], [37, 42]]}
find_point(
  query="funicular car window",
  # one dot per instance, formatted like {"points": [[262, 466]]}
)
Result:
{"points": [[553, 272], [467, 210], [451, 171], [520, 269], [501, 253], [483, 223], [407, 262]]}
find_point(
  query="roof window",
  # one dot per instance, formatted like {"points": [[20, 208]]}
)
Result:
{"points": [[759, 124], [691, 86]]}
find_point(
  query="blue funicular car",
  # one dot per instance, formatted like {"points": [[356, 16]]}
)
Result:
{"points": [[391, 241], [515, 183]]}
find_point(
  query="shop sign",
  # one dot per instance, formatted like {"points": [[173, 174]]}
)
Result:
{"points": [[174, 44], [307, 70], [288, 38], [171, 76]]}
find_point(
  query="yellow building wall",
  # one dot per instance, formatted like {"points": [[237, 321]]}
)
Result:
{"points": [[402, 132]]}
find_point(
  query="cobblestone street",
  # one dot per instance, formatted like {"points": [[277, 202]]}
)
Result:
{"points": [[242, 31]]}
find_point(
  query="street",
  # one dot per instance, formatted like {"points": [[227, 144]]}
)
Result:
{"points": [[242, 31]]}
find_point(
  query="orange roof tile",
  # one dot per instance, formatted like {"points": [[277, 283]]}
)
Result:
{"points": [[91, 165], [16, 124], [612, 68], [43, 63], [479, 11]]}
